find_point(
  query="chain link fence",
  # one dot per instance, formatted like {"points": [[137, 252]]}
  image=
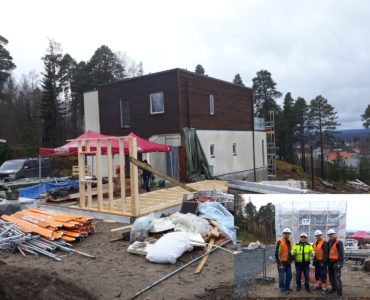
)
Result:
{"points": [[259, 265]]}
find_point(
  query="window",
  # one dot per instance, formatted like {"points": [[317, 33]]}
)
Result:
{"points": [[263, 152], [124, 106], [212, 150], [234, 149], [156, 103], [211, 105]]}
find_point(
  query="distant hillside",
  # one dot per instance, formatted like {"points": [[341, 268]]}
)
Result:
{"points": [[350, 133]]}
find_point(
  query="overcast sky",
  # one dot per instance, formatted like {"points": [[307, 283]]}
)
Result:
{"points": [[310, 47]]}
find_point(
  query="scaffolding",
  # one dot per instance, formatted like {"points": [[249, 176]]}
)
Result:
{"points": [[271, 144]]}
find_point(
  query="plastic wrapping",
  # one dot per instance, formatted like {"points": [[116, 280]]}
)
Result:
{"points": [[216, 211], [190, 223], [140, 228], [308, 216]]}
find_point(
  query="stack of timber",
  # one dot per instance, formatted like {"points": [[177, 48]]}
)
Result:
{"points": [[52, 225], [358, 185]]}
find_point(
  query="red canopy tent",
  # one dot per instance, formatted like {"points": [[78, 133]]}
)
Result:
{"points": [[360, 235], [71, 148]]}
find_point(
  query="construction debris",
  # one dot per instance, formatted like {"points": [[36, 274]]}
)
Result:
{"points": [[38, 231], [358, 185]]}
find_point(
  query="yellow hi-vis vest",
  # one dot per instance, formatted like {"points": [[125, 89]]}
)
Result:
{"points": [[298, 251]]}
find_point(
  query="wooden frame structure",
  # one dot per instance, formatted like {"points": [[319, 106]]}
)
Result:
{"points": [[86, 200]]}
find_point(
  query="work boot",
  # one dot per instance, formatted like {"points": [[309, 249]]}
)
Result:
{"points": [[308, 290], [288, 291], [298, 288], [317, 288], [331, 291]]}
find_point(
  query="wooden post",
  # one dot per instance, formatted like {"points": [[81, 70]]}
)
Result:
{"points": [[110, 174], [81, 174], [134, 180], [122, 174], [89, 191], [99, 175]]}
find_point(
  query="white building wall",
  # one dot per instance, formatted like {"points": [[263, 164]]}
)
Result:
{"points": [[224, 161], [91, 106]]}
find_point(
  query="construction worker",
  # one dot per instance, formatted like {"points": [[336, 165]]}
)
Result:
{"points": [[302, 253], [284, 260], [320, 261], [335, 262]]}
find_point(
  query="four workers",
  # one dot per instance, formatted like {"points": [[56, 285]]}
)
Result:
{"points": [[326, 256]]}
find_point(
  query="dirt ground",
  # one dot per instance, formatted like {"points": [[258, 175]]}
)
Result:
{"points": [[114, 274]]}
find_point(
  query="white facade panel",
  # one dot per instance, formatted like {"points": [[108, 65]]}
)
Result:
{"points": [[91, 106], [227, 142]]}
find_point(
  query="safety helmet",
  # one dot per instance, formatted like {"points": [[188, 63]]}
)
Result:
{"points": [[287, 230], [303, 234], [318, 232], [330, 231]]}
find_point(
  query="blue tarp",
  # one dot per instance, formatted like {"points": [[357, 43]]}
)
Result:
{"points": [[216, 211], [35, 191]]}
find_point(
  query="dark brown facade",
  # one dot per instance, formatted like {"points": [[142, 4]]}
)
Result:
{"points": [[186, 98]]}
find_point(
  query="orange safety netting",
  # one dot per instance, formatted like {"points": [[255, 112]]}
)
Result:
{"points": [[52, 225]]}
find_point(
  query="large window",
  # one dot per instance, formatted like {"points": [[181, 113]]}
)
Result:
{"points": [[156, 103], [125, 112], [212, 151], [211, 104]]}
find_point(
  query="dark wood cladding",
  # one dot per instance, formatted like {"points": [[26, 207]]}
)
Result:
{"points": [[233, 104], [137, 90], [186, 104]]}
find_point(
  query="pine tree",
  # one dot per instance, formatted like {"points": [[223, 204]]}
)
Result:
{"points": [[301, 111], [322, 119], [238, 80], [50, 106], [265, 94], [6, 62], [365, 117], [199, 70]]}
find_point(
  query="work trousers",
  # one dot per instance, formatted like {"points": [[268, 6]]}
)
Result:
{"points": [[285, 276], [146, 183], [302, 267], [335, 276], [321, 271]]}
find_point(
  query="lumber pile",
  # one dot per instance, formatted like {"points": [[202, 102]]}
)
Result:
{"points": [[52, 225], [358, 185]]}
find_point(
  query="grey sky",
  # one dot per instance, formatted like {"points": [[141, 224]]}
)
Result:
{"points": [[310, 47]]}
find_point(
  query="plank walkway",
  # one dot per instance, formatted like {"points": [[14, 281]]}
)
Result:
{"points": [[157, 200]]}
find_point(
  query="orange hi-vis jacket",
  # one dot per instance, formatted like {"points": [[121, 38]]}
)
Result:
{"points": [[333, 253], [319, 251], [284, 250]]}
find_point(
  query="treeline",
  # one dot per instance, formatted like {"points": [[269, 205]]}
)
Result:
{"points": [[47, 109], [338, 170], [254, 223]]}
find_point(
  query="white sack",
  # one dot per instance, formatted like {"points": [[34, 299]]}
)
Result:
{"points": [[169, 247], [190, 223]]}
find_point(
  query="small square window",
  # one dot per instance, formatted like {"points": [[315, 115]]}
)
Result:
{"points": [[156, 103], [234, 149], [212, 150], [211, 105]]}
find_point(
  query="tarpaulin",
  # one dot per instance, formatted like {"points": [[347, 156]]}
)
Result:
{"points": [[197, 167], [35, 191]]}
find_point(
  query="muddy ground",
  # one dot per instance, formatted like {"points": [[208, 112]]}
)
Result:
{"points": [[116, 274]]}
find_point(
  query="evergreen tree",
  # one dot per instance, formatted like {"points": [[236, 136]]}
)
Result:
{"points": [[6, 62], [364, 170], [199, 70], [238, 80], [50, 107], [322, 119], [105, 66], [301, 111], [365, 117], [265, 94], [286, 124]]}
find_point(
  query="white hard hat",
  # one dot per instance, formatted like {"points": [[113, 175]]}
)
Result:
{"points": [[287, 230], [303, 234], [317, 232], [330, 231]]}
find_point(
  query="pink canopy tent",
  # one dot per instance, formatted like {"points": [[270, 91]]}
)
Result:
{"points": [[360, 235], [71, 148]]}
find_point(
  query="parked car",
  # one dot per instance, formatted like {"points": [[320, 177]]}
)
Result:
{"points": [[24, 168]]}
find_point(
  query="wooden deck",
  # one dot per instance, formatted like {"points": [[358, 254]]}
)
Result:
{"points": [[156, 200]]}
